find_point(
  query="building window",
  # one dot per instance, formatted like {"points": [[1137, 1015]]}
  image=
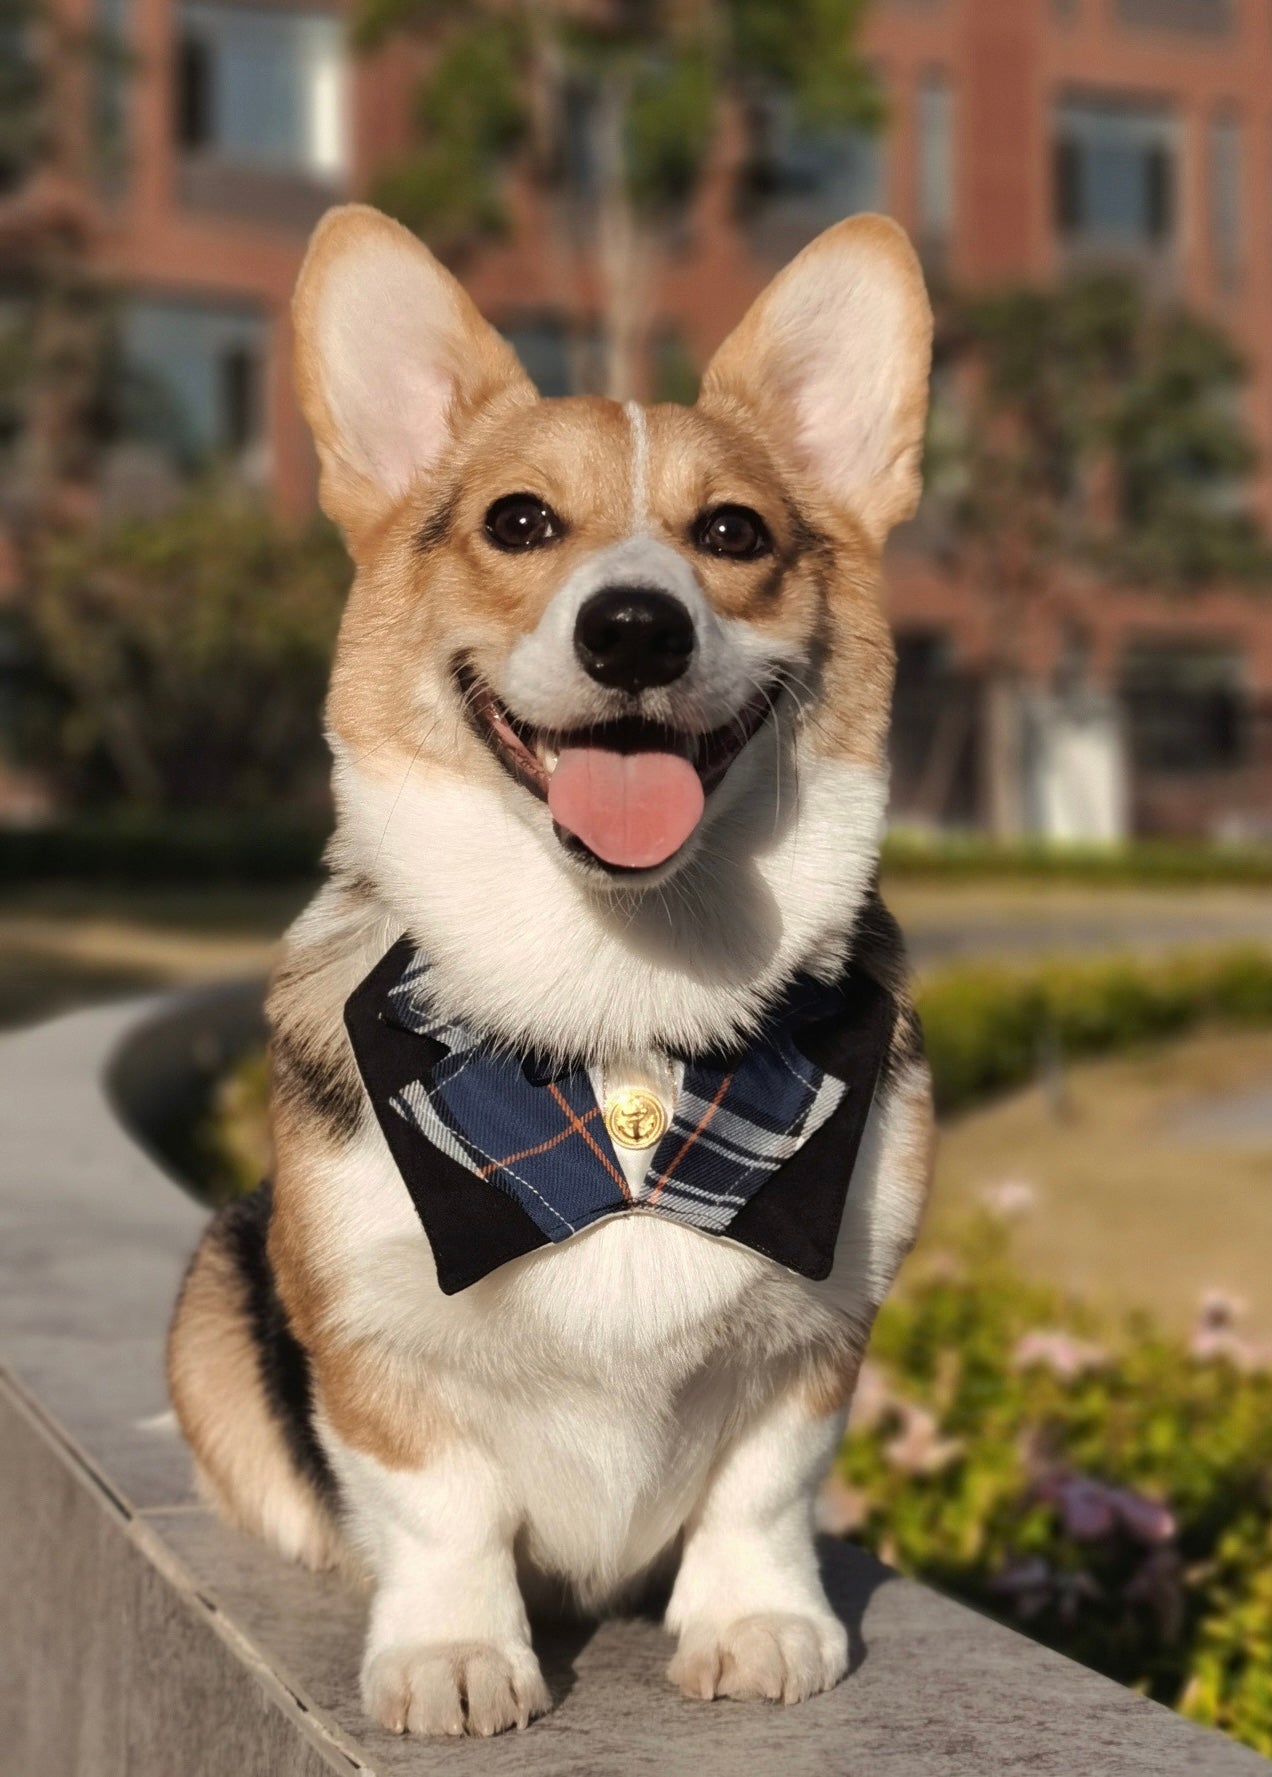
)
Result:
{"points": [[1207, 18], [194, 93], [804, 179], [559, 357], [262, 88], [1115, 174], [1225, 199], [936, 163], [193, 383], [1187, 709]]}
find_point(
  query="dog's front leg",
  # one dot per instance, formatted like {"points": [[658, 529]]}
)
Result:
{"points": [[448, 1645], [748, 1603]]}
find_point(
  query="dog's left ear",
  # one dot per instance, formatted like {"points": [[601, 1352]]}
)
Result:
{"points": [[391, 356], [834, 360]]}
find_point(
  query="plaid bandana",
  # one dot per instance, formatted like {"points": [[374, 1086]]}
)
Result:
{"points": [[501, 1157]]}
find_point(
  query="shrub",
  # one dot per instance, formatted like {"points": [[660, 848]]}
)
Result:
{"points": [[186, 660], [1138, 863], [1107, 1490], [138, 847], [989, 1028]]}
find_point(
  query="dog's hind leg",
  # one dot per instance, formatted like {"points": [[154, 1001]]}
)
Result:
{"points": [[239, 1381]]}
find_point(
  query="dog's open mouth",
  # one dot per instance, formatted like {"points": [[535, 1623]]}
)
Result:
{"points": [[627, 794]]}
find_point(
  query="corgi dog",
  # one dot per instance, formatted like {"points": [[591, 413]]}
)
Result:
{"points": [[600, 1111]]}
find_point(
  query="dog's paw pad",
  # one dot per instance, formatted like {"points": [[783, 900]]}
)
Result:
{"points": [[778, 1656], [454, 1687]]}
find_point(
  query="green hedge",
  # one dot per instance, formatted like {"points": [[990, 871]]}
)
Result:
{"points": [[141, 850], [1139, 863], [990, 1028]]}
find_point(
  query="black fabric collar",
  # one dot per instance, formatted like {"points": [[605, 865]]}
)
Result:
{"points": [[438, 1094]]}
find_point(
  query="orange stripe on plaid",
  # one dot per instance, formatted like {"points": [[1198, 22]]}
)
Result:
{"points": [[692, 1137], [543, 1147], [576, 1123]]}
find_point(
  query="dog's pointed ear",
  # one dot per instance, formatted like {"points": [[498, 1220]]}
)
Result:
{"points": [[391, 355], [834, 359]]}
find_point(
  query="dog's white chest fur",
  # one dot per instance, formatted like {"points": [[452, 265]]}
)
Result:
{"points": [[600, 1374]]}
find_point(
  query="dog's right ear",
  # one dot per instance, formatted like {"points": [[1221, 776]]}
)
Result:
{"points": [[391, 355]]}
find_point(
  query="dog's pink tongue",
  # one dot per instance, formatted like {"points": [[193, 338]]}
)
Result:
{"points": [[631, 809]]}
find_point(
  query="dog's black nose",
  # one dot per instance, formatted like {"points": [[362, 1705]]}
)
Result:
{"points": [[632, 638]]}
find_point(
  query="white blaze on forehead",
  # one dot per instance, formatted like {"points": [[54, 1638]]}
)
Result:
{"points": [[639, 423]]}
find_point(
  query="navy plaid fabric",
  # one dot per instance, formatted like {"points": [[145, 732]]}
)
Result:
{"points": [[544, 1141]]}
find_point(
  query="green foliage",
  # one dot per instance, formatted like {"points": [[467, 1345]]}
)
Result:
{"points": [[1113, 1499], [1141, 863], [989, 1028], [185, 660], [1103, 427], [230, 1149], [535, 87], [808, 49], [670, 124], [149, 848], [471, 115]]}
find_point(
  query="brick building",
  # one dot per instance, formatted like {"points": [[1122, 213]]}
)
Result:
{"points": [[1024, 137]]}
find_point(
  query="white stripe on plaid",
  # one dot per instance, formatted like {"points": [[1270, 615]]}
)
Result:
{"points": [[415, 1103]]}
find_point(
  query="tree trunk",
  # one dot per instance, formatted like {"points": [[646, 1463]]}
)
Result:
{"points": [[625, 253], [1004, 757]]}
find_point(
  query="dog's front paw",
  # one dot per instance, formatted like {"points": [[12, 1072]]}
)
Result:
{"points": [[775, 1654], [454, 1687]]}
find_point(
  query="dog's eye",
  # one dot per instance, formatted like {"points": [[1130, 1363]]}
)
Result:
{"points": [[734, 531], [522, 521]]}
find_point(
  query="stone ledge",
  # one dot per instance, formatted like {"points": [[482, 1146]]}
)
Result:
{"points": [[151, 1640]]}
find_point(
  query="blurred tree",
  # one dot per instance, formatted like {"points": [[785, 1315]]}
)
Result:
{"points": [[608, 113], [55, 335], [186, 659], [1083, 424]]}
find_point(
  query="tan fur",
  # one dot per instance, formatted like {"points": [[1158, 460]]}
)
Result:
{"points": [[242, 1463], [378, 1405]]}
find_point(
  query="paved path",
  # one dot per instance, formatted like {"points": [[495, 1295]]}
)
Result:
{"points": [[946, 923], [1243, 1120]]}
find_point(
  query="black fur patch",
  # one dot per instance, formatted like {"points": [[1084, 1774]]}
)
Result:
{"points": [[437, 526], [806, 539], [323, 1084], [284, 1364], [879, 950]]}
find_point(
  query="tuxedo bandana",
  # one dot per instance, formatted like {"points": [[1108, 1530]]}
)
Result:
{"points": [[501, 1155]]}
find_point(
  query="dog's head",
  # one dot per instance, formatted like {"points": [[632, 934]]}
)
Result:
{"points": [[601, 659]]}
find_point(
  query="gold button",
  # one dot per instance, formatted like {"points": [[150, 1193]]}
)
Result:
{"points": [[635, 1119]]}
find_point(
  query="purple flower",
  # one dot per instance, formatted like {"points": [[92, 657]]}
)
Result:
{"points": [[1090, 1510]]}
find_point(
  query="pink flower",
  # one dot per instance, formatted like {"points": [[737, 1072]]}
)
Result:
{"points": [[1062, 1354], [840, 1509], [1010, 1198], [1215, 1338], [1218, 1311], [1147, 1520], [871, 1399], [918, 1448], [1086, 1509]]}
